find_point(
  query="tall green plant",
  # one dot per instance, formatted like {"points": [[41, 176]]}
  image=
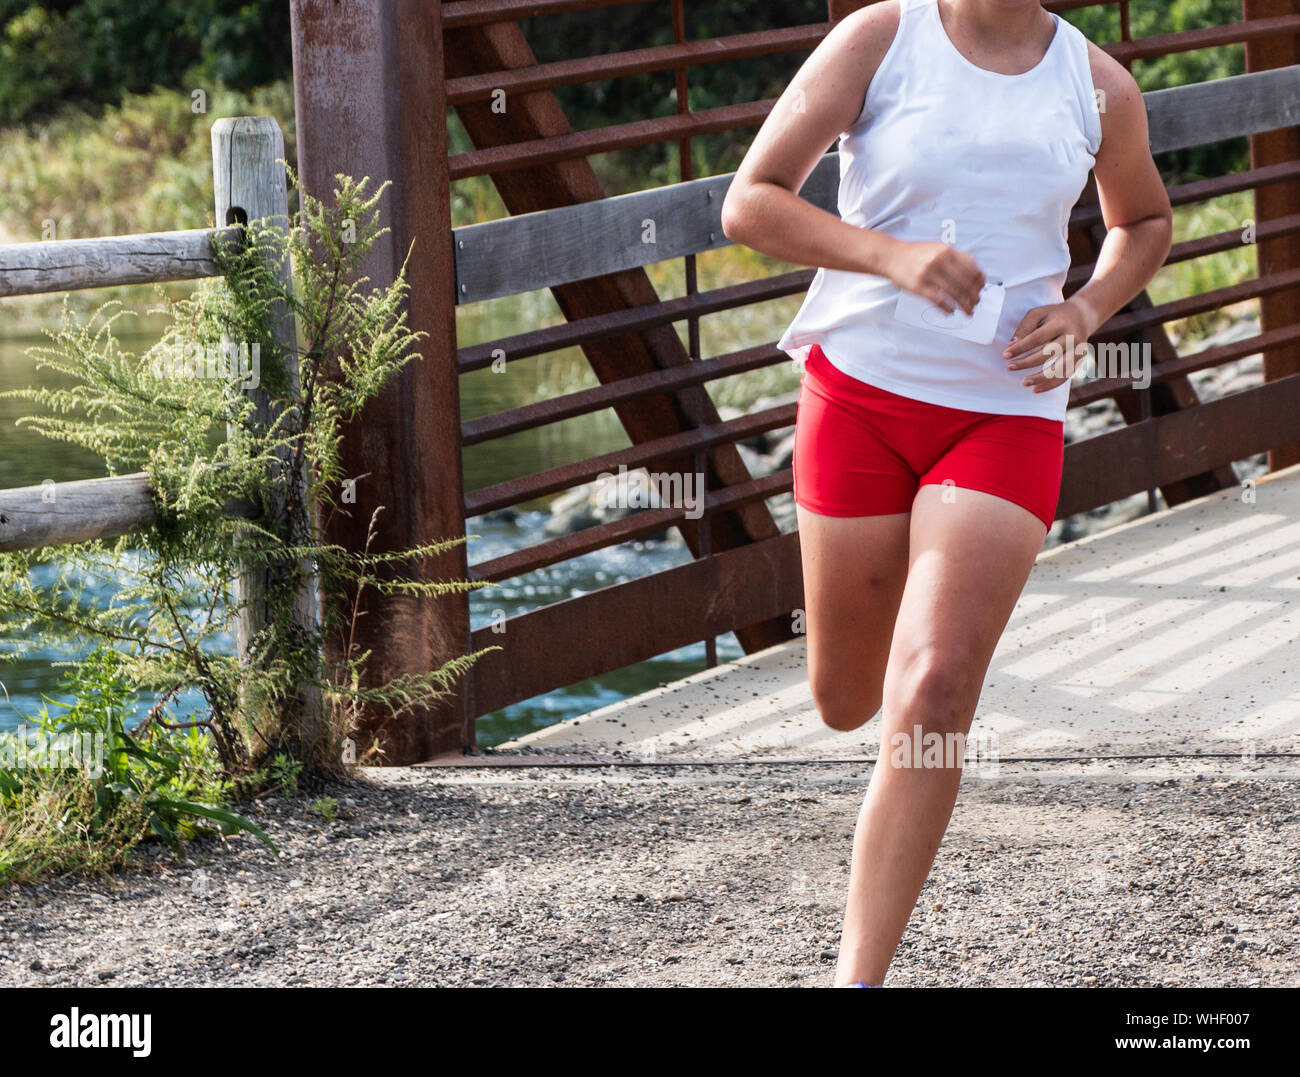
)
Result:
{"points": [[218, 465]]}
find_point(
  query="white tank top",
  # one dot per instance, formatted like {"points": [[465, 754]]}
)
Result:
{"points": [[945, 151]]}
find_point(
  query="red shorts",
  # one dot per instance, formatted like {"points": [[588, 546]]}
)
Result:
{"points": [[863, 451]]}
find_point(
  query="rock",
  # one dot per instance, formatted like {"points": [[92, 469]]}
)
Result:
{"points": [[728, 412], [571, 511], [782, 454], [757, 463], [617, 496]]}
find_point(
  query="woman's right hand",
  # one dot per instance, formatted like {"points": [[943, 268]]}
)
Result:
{"points": [[938, 272]]}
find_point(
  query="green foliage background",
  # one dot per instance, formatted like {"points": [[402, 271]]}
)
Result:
{"points": [[91, 52]]}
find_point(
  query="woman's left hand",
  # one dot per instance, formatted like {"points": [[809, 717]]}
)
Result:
{"points": [[1054, 337]]}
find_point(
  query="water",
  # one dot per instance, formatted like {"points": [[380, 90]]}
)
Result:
{"points": [[27, 459]]}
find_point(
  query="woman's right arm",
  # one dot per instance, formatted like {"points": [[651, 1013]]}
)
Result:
{"points": [[763, 210]]}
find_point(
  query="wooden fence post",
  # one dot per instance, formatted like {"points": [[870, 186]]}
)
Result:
{"points": [[249, 173]]}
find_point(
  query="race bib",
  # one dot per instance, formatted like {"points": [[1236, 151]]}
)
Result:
{"points": [[980, 325]]}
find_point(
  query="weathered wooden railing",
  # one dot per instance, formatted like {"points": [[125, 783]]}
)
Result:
{"points": [[248, 166], [53, 515], [71, 264]]}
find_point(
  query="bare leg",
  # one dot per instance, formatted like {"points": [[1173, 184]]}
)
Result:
{"points": [[854, 569], [969, 559]]}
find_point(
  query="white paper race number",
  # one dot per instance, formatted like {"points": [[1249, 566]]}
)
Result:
{"points": [[979, 326]]}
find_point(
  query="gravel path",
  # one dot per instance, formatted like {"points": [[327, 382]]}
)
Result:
{"points": [[697, 876]]}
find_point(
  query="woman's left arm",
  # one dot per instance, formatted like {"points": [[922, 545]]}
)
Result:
{"points": [[1139, 231]]}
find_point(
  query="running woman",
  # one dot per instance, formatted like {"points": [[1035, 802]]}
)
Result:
{"points": [[937, 352]]}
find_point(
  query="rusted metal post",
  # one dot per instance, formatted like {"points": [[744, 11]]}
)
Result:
{"points": [[1273, 201], [370, 101]]}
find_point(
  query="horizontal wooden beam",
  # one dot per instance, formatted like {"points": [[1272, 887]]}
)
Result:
{"points": [[65, 265], [63, 512], [1233, 107], [566, 642], [568, 243], [1162, 450], [59, 513]]}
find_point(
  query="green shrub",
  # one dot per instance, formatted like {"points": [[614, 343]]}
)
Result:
{"points": [[295, 697], [78, 791], [91, 52]]}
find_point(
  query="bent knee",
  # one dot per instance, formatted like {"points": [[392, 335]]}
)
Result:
{"points": [[845, 711]]}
